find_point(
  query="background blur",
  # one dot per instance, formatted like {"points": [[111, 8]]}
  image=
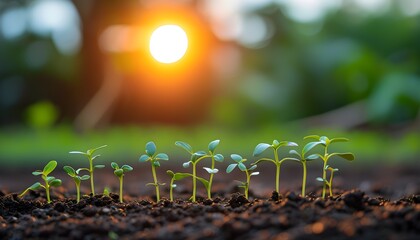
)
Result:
{"points": [[77, 74]]}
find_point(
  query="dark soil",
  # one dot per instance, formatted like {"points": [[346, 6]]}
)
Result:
{"points": [[354, 214]]}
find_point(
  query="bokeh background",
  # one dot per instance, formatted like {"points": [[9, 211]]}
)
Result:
{"points": [[77, 74]]}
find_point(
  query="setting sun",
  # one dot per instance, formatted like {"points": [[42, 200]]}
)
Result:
{"points": [[168, 43]]}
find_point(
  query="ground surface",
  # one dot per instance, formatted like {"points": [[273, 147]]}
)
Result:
{"points": [[384, 204]]}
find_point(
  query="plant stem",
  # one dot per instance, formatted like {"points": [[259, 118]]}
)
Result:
{"points": [[47, 188], [276, 158], [211, 179], [121, 189], [194, 182], [248, 180], [91, 176], [156, 182], [78, 192], [171, 197], [324, 171], [304, 179], [331, 179]]}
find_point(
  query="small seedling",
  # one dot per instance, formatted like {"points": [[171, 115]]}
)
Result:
{"points": [[214, 157], [107, 191], [303, 159], [76, 178], [248, 171], [330, 182], [325, 142], [154, 158], [195, 158], [89, 154], [119, 172], [50, 181], [179, 176], [261, 147]]}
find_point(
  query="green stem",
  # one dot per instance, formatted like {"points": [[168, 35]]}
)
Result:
{"points": [[171, 197], [248, 180], [324, 171], [331, 179], [91, 176], [194, 182], [304, 179], [156, 182], [78, 192], [47, 189], [121, 189], [276, 158], [211, 179]]}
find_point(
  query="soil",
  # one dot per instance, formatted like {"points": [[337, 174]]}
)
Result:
{"points": [[371, 210]]}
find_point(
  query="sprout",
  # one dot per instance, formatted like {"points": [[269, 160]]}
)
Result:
{"points": [[119, 172], [214, 157], [154, 158], [76, 178], [248, 171], [196, 157], [89, 154], [50, 181], [179, 176], [330, 182], [325, 142], [261, 147]]}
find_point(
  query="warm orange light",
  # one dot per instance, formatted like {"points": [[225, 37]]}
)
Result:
{"points": [[168, 43]]}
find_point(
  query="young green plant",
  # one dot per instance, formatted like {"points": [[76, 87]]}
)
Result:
{"points": [[50, 181], [89, 154], [328, 182], [179, 176], [154, 159], [325, 142], [261, 147], [303, 159], [195, 158], [239, 161], [119, 172], [76, 178], [214, 157]]}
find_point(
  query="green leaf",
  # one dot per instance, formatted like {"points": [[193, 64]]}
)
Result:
{"points": [[204, 182], [35, 186], [162, 156], [49, 167], [312, 157], [81, 169], [320, 179], [339, 140], [219, 157], [316, 137], [275, 144], [37, 172], [260, 148], [55, 183], [186, 164], [211, 171], [150, 148], [348, 156], [119, 172], [230, 168], [98, 166], [170, 173], [96, 156], [236, 157], [78, 152], [242, 166], [156, 163], [294, 152], [287, 144], [77, 180], [127, 168], [91, 151], [197, 155], [213, 145], [84, 177], [50, 178], [114, 165], [309, 146], [255, 173], [325, 140], [70, 171], [184, 146], [143, 158], [179, 176], [252, 168]]}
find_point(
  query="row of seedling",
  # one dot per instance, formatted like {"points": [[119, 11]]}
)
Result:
{"points": [[305, 155]]}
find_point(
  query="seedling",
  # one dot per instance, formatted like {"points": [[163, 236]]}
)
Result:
{"points": [[195, 158], [214, 157], [330, 182], [76, 178], [325, 142], [261, 147], [154, 158], [179, 176], [89, 154], [248, 171], [303, 159], [119, 172], [50, 181]]}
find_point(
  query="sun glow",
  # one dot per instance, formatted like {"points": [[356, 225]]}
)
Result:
{"points": [[168, 43]]}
